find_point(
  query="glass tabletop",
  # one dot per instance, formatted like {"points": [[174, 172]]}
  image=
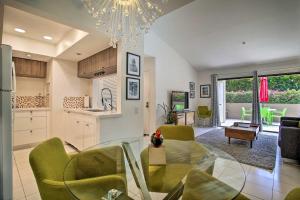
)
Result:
{"points": [[103, 170]]}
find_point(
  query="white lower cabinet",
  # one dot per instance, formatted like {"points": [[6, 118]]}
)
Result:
{"points": [[30, 127], [82, 130]]}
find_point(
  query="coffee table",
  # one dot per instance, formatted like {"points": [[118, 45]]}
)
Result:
{"points": [[242, 132]]}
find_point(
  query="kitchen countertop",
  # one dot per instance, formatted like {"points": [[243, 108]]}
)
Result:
{"points": [[104, 114], [32, 109]]}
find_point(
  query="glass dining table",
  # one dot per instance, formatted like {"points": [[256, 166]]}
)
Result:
{"points": [[105, 169]]}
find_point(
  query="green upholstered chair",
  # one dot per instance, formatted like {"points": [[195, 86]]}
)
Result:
{"points": [[245, 113], [201, 186], [294, 194], [179, 132], [49, 160], [203, 113]]}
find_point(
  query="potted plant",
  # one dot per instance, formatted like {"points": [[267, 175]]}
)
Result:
{"points": [[170, 114]]}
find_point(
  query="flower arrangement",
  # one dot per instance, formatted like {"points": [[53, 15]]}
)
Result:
{"points": [[157, 138]]}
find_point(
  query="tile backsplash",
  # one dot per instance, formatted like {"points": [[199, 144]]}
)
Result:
{"points": [[73, 102], [32, 101]]}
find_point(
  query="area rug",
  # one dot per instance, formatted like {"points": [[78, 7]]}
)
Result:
{"points": [[262, 154]]}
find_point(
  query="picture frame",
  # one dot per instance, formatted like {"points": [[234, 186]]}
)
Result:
{"points": [[192, 86], [205, 91], [192, 90], [132, 88], [133, 65]]}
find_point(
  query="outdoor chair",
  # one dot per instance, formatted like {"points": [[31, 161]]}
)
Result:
{"points": [[245, 113], [266, 115], [278, 114]]}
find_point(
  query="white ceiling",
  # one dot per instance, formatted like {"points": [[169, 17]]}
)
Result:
{"points": [[209, 33], [21, 54], [36, 27], [87, 46]]}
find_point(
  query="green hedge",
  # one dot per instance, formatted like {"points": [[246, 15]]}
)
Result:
{"points": [[275, 97], [281, 83]]}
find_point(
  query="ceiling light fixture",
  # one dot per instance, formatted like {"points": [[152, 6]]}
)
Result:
{"points": [[19, 30], [28, 55], [46, 37], [124, 19]]}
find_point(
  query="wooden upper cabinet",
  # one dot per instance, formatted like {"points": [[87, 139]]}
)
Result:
{"points": [[30, 68], [102, 63]]}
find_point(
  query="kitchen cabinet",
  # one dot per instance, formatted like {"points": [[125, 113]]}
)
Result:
{"points": [[82, 130], [30, 68], [99, 64], [30, 127]]}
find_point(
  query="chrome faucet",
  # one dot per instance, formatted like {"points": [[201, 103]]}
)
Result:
{"points": [[106, 99]]}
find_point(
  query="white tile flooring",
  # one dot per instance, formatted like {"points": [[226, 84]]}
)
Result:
{"points": [[260, 184]]}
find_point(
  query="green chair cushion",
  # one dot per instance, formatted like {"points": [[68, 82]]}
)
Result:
{"points": [[294, 194]]}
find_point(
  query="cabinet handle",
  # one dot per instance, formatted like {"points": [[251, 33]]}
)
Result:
{"points": [[30, 131], [77, 122], [30, 118], [87, 125]]}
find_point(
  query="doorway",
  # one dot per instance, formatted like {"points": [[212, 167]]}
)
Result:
{"points": [[149, 95]]}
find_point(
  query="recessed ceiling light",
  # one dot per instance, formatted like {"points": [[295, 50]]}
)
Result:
{"points": [[243, 42], [28, 55], [46, 37], [19, 30]]}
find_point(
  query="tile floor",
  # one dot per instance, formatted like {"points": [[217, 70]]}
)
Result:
{"points": [[260, 184]]}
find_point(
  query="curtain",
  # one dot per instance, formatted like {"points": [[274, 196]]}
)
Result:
{"points": [[214, 101], [256, 117]]}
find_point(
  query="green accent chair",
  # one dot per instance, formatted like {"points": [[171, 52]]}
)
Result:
{"points": [[201, 186], [278, 114], [85, 177], [203, 113], [245, 113], [166, 178], [179, 132], [294, 194]]}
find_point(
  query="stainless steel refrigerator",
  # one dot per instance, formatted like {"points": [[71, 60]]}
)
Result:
{"points": [[6, 122]]}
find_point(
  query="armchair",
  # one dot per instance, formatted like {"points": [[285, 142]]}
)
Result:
{"points": [[203, 113], [49, 160], [289, 137]]}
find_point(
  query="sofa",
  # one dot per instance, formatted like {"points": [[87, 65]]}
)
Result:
{"points": [[289, 137]]}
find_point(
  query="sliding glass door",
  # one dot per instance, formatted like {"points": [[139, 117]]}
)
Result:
{"points": [[235, 100], [279, 96]]}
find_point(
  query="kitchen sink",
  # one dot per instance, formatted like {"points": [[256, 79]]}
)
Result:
{"points": [[95, 110]]}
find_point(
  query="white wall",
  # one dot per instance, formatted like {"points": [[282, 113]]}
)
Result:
{"points": [[172, 72], [30, 86], [149, 66], [1, 19], [64, 82], [130, 123], [266, 68]]}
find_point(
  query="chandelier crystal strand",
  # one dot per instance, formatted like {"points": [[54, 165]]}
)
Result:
{"points": [[124, 19]]}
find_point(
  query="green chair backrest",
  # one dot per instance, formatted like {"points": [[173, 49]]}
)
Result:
{"points": [[177, 132], [283, 113], [203, 110], [48, 160]]}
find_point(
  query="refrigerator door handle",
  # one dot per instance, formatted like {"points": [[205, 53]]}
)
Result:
{"points": [[14, 84]]}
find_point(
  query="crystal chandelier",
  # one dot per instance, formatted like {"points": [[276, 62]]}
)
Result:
{"points": [[124, 19]]}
